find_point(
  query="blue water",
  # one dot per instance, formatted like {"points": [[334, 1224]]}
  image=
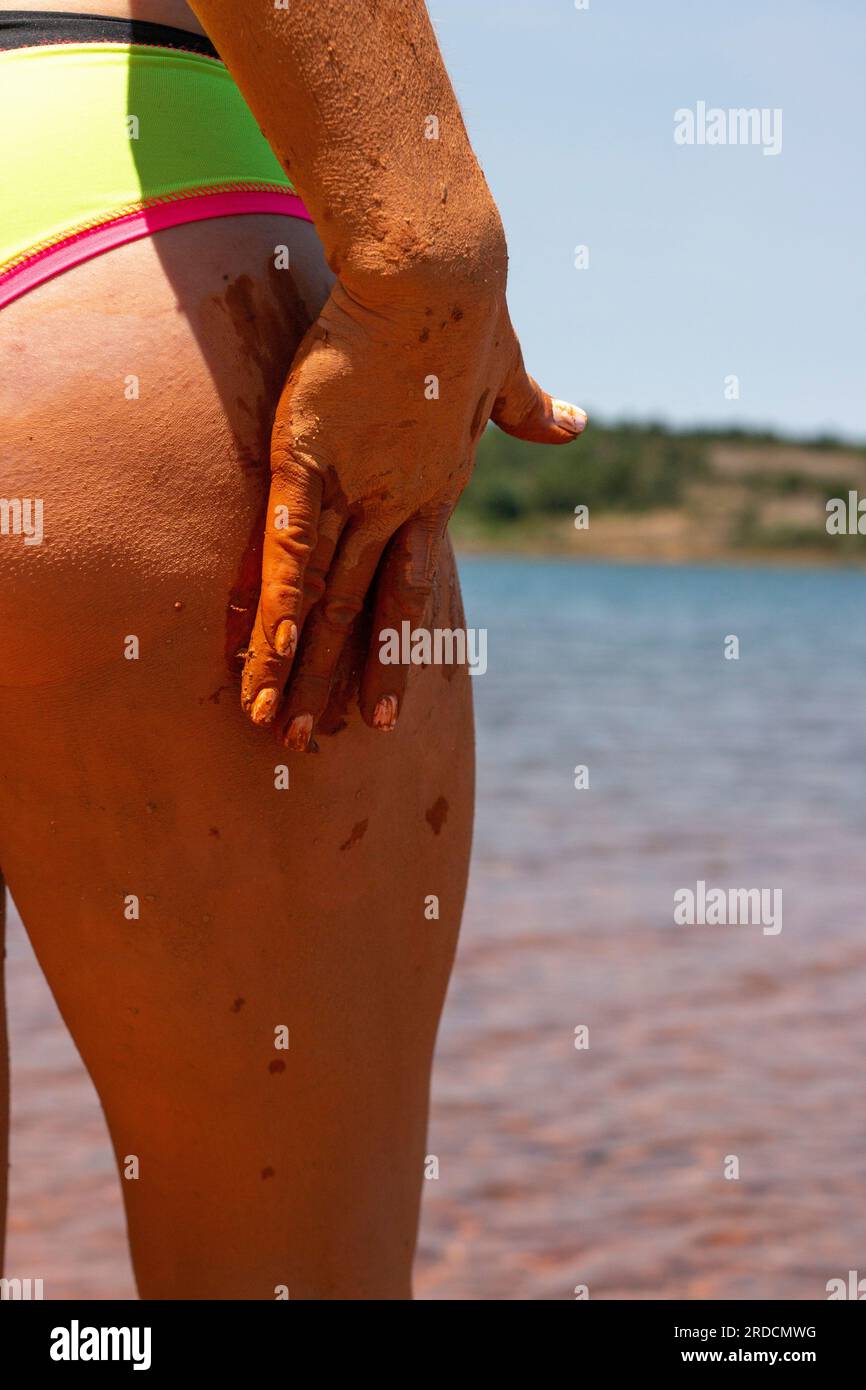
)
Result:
{"points": [[605, 1166], [696, 763]]}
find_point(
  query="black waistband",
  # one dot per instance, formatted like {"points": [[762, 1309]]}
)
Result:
{"points": [[25, 28]]}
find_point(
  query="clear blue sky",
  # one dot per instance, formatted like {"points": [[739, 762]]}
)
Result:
{"points": [[704, 261]]}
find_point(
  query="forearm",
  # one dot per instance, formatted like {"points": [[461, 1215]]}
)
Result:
{"points": [[344, 91]]}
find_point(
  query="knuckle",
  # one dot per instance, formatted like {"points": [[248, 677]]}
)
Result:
{"points": [[309, 693], [412, 591], [339, 611], [314, 584], [280, 597], [295, 535]]}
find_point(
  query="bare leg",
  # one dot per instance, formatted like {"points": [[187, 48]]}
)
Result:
{"points": [[259, 908], [4, 1080]]}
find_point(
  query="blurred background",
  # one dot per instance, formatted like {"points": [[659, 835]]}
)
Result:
{"points": [[700, 267]]}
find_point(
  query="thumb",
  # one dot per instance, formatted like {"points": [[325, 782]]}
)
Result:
{"points": [[527, 412]]}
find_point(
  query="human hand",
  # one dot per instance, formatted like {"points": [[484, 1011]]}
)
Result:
{"points": [[373, 442]]}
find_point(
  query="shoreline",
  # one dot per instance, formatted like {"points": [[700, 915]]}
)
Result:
{"points": [[640, 495], [505, 550], [658, 543]]}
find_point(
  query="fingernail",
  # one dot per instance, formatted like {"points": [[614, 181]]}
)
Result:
{"points": [[286, 638], [570, 417], [265, 706], [297, 735], [385, 713]]}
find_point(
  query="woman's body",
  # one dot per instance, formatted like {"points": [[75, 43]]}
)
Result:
{"points": [[308, 903], [260, 908]]}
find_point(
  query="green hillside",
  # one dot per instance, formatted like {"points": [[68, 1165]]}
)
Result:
{"points": [[653, 492]]}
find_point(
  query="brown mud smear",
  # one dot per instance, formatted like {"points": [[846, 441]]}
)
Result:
{"points": [[437, 815], [243, 598], [358, 833]]}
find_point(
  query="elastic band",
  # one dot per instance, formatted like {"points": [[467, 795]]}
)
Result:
{"points": [[30, 28], [95, 240]]}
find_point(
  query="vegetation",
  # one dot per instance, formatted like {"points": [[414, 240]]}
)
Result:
{"points": [[670, 494]]}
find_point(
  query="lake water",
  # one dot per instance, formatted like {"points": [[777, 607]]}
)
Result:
{"points": [[605, 1166]]}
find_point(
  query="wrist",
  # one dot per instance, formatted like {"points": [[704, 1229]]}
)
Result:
{"points": [[407, 261]]}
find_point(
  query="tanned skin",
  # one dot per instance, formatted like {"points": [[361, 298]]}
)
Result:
{"points": [[348, 94], [305, 907]]}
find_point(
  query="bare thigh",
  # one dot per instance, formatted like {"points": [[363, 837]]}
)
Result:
{"points": [[193, 914], [4, 1080]]}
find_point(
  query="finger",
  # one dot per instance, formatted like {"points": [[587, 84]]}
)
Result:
{"points": [[331, 526], [402, 596], [523, 409], [290, 538], [330, 622], [266, 671]]}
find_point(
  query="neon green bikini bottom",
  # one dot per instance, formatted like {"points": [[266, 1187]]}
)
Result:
{"points": [[117, 140]]}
